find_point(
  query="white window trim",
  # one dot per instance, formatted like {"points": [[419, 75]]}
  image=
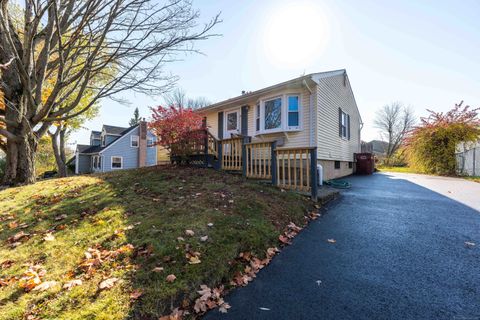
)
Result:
{"points": [[344, 116], [121, 163], [132, 139], [228, 133], [152, 144], [284, 117]]}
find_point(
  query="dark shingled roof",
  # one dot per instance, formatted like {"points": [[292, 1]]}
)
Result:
{"points": [[93, 149], [82, 147], [88, 149], [115, 130]]}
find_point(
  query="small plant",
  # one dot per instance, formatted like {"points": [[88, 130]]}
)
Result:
{"points": [[178, 129], [431, 145]]}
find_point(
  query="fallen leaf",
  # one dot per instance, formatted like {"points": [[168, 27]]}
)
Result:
{"points": [[108, 283], [210, 224], [469, 244], [194, 260], [72, 283], [170, 278], [49, 237], [61, 217], [157, 269], [224, 307], [331, 240], [181, 239], [13, 224], [136, 294], [264, 309], [189, 232], [283, 239], [45, 285], [18, 236], [6, 264], [204, 238]]}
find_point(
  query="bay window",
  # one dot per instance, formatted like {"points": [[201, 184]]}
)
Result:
{"points": [[282, 113], [273, 114]]}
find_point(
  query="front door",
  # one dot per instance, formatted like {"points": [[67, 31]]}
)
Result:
{"points": [[232, 123]]}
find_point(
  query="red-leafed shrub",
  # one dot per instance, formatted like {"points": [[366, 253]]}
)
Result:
{"points": [[431, 145], [179, 130]]}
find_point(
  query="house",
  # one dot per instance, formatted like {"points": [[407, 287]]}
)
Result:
{"points": [[315, 110], [116, 148]]}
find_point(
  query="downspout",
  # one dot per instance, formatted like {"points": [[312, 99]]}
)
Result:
{"points": [[312, 115], [77, 155]]}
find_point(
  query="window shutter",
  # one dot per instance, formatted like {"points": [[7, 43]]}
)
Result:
{"points": [[348, 126], [340, 122], [220, 125], [244, 122]]}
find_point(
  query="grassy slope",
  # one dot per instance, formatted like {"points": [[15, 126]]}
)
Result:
{"points": [[148, 208]]}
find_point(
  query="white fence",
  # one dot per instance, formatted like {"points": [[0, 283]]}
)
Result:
{"points": [[468, 159]]}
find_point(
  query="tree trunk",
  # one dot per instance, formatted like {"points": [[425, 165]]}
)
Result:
{"points": [[20, 161], [58, 146]]}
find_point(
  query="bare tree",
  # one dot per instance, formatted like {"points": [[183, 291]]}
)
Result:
{"points": [[178, 98], [65, 44], [394, 121]]}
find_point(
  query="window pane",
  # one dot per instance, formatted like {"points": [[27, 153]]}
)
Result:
{"points": [[273, 114], [293, 119], [116, 162], [232, 121], [293, 103], [258, 124]]}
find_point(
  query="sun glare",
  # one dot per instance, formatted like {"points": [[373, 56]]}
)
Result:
{"points": [[295, 34]]}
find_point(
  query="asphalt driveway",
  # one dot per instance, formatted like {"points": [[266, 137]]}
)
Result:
{"points": [[400, 253]]}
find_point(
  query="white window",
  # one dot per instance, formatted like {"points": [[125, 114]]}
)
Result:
{"points": [[232, 120], [134, 140], [96, 162], [273, 114], [150, 142], [344, 125], [276, 114], [293, 112], [117, 162]]}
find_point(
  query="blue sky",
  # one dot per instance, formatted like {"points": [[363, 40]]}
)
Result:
{"points": [[423, 53]]}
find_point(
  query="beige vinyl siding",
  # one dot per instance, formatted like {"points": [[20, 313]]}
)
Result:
{"points": [[212, 123], [331, 95], [291, 139]]}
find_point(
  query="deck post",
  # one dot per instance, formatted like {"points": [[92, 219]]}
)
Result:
{"points": [[219, 155], [245, 140], [205, 146], [274, 163], [313, 173]]}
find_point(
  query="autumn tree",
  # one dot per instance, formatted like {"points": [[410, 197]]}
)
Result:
{"points": [[394, 121], [136, 118], [431, 145], [177, 129], [125, 42]]}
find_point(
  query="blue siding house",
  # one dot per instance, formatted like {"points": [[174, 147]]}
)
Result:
{"points": [[117, 148]]}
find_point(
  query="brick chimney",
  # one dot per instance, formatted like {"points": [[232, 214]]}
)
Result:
{"points": [[142, 144]]}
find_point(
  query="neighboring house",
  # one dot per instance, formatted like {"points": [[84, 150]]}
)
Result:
{"points": [[316, 110], [468, 158], [116, 148]]}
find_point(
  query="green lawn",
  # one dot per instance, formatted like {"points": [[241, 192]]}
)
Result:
{"points": [[396, 169], [126, 226]]}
